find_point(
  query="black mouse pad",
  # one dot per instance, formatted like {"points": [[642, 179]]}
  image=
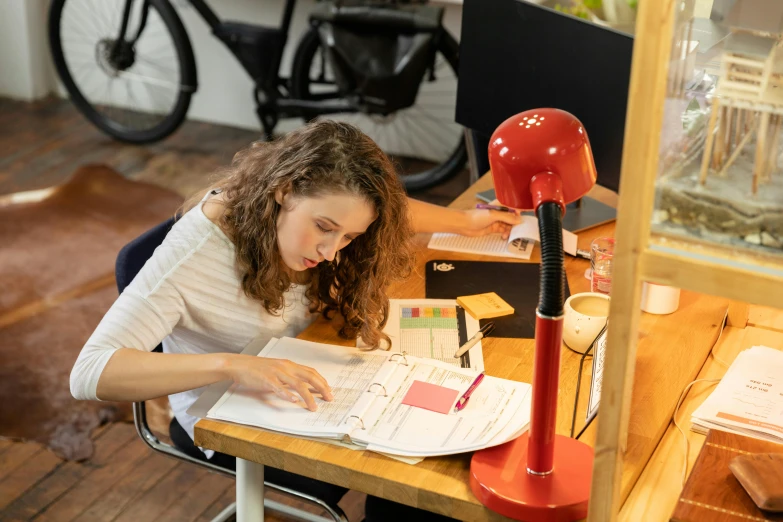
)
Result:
{"points": [[515, 283]]}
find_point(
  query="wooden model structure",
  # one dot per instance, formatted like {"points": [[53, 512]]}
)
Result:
{"points": [[748, 99], [753, 94]]}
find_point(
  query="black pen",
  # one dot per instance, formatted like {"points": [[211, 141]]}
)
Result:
{"points": [[483, 332]]}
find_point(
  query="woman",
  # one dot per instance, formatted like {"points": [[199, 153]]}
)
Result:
{"points": [[316, 222]]}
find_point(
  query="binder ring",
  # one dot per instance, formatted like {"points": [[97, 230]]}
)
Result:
{"points": [[385, 393], [403, 355], [357, 417]]}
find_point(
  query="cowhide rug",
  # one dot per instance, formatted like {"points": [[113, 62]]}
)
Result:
{"points": [[57, 253]]}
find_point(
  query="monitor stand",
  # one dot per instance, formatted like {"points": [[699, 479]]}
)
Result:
{"points": [[586, 213], [580, 215]]}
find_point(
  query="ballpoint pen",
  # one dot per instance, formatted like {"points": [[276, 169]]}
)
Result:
{"points": [[584, 254], [466, 396], [483, 332], [495, 207]]}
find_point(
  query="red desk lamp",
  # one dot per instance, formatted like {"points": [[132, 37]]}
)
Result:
{"points": [[540, 160]]}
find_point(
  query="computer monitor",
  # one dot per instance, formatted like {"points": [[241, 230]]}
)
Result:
{"points": [[516, 56]]}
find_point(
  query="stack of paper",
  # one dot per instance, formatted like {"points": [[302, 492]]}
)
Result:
{"points": [[368, 408], [749, 398], [519, 244]]}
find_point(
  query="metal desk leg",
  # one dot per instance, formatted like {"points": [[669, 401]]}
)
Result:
{"points": [[250, 491], [470, 145]]}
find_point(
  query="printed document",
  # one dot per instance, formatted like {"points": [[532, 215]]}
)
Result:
{"points": [[367, 409]]}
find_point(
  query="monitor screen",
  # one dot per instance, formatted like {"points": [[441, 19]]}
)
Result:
{"points": [[516, 56]]}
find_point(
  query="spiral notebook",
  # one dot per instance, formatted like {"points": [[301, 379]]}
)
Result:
{"points": [[368, 410]]}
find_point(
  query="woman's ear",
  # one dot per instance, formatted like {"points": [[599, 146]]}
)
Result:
{"points": [[280, 196]]}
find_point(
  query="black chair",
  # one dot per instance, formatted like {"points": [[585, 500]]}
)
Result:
{"points": [[130, 260]]}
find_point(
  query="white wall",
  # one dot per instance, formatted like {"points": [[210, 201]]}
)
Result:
{"points": [[25, 69]]}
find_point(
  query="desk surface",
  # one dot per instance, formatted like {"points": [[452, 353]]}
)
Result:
{"points": [[671, 352]]}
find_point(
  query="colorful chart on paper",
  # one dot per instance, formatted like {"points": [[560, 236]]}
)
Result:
{"points": [[431, 332]]}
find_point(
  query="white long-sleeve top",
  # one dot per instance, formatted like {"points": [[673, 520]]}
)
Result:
{"points": [[189, 296]]}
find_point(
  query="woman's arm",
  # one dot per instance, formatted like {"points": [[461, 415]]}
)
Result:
{"points": [[428, 218], [135, 375]]}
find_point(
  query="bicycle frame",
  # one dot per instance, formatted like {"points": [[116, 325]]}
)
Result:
{"points": [[214, 22], [272, 101]]}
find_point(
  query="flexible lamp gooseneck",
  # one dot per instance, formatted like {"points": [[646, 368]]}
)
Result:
{"points": [[540, 160]]}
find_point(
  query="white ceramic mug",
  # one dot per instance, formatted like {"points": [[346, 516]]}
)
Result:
{"points": [[585, 316]]}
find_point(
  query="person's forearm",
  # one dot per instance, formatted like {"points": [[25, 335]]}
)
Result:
{"points": [[428, 218], [134, 375]]}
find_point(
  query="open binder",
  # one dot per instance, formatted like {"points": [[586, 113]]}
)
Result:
{"points": [[367, 409]]}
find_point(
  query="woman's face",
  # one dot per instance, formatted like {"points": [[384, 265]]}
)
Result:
{"points": [[310, 230]]}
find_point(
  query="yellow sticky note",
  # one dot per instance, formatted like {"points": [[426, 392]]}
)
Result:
{"points": [[485, 306]]}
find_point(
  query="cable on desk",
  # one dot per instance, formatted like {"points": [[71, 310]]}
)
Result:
{"points": [[688, 387]]}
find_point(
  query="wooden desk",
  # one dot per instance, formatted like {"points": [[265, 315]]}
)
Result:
{"points": [[655, 494], [672, 350]]}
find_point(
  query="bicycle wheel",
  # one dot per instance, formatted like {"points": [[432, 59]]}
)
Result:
{"points": [[423, 140], [136, 89]]}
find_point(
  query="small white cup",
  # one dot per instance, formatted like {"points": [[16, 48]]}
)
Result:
{"points": [[659, 299], [585, 316]]}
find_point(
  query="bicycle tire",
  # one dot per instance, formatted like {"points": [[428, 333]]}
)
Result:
{"points": [[300, 88], [187, 83]]}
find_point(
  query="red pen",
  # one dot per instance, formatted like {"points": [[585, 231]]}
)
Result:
{"points": [[466, 396]]}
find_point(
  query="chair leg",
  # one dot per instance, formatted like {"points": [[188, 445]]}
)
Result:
{"points": [[227, 514]]}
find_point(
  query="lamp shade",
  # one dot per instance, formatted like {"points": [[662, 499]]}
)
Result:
{"points": [[541, 155]]}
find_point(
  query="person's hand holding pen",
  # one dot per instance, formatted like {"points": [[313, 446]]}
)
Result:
{"points": [[489, 219]]}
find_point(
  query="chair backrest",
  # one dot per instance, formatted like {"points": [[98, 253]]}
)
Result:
{"points": [[132, 257]]}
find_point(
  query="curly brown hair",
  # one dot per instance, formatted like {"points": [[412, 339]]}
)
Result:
{"points": [[324, 157]]}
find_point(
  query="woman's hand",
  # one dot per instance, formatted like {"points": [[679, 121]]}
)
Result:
{"points": [[481, 222], [428, 218], [280, 377]]}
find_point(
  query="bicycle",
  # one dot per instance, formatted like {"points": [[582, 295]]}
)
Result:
{"points": [[377, 65]]}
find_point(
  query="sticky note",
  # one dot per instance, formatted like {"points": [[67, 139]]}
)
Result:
{"points": [[485, 306], [430, 397]]}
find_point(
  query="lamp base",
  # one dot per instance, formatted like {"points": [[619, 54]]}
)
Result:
{"points": [[500, 480]]}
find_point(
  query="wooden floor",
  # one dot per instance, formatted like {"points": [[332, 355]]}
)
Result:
{"points": [[41, 143]]}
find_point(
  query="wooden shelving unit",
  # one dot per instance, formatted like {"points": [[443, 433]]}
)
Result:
{"points": [[642, 255]]}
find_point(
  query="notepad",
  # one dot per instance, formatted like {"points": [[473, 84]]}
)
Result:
{"points": [[368, 408], [485, 306], [519, 244], [430, 397]]}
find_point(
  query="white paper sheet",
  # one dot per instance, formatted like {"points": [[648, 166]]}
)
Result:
{"points": [[749, 398], [369, 388], [519, 244], [348, 372]]}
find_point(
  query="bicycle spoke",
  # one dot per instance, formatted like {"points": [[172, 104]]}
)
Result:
{"points": [[88, 40], [101, 16], [151, 63], [425, 134], [92, 31], [150, 80]]}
